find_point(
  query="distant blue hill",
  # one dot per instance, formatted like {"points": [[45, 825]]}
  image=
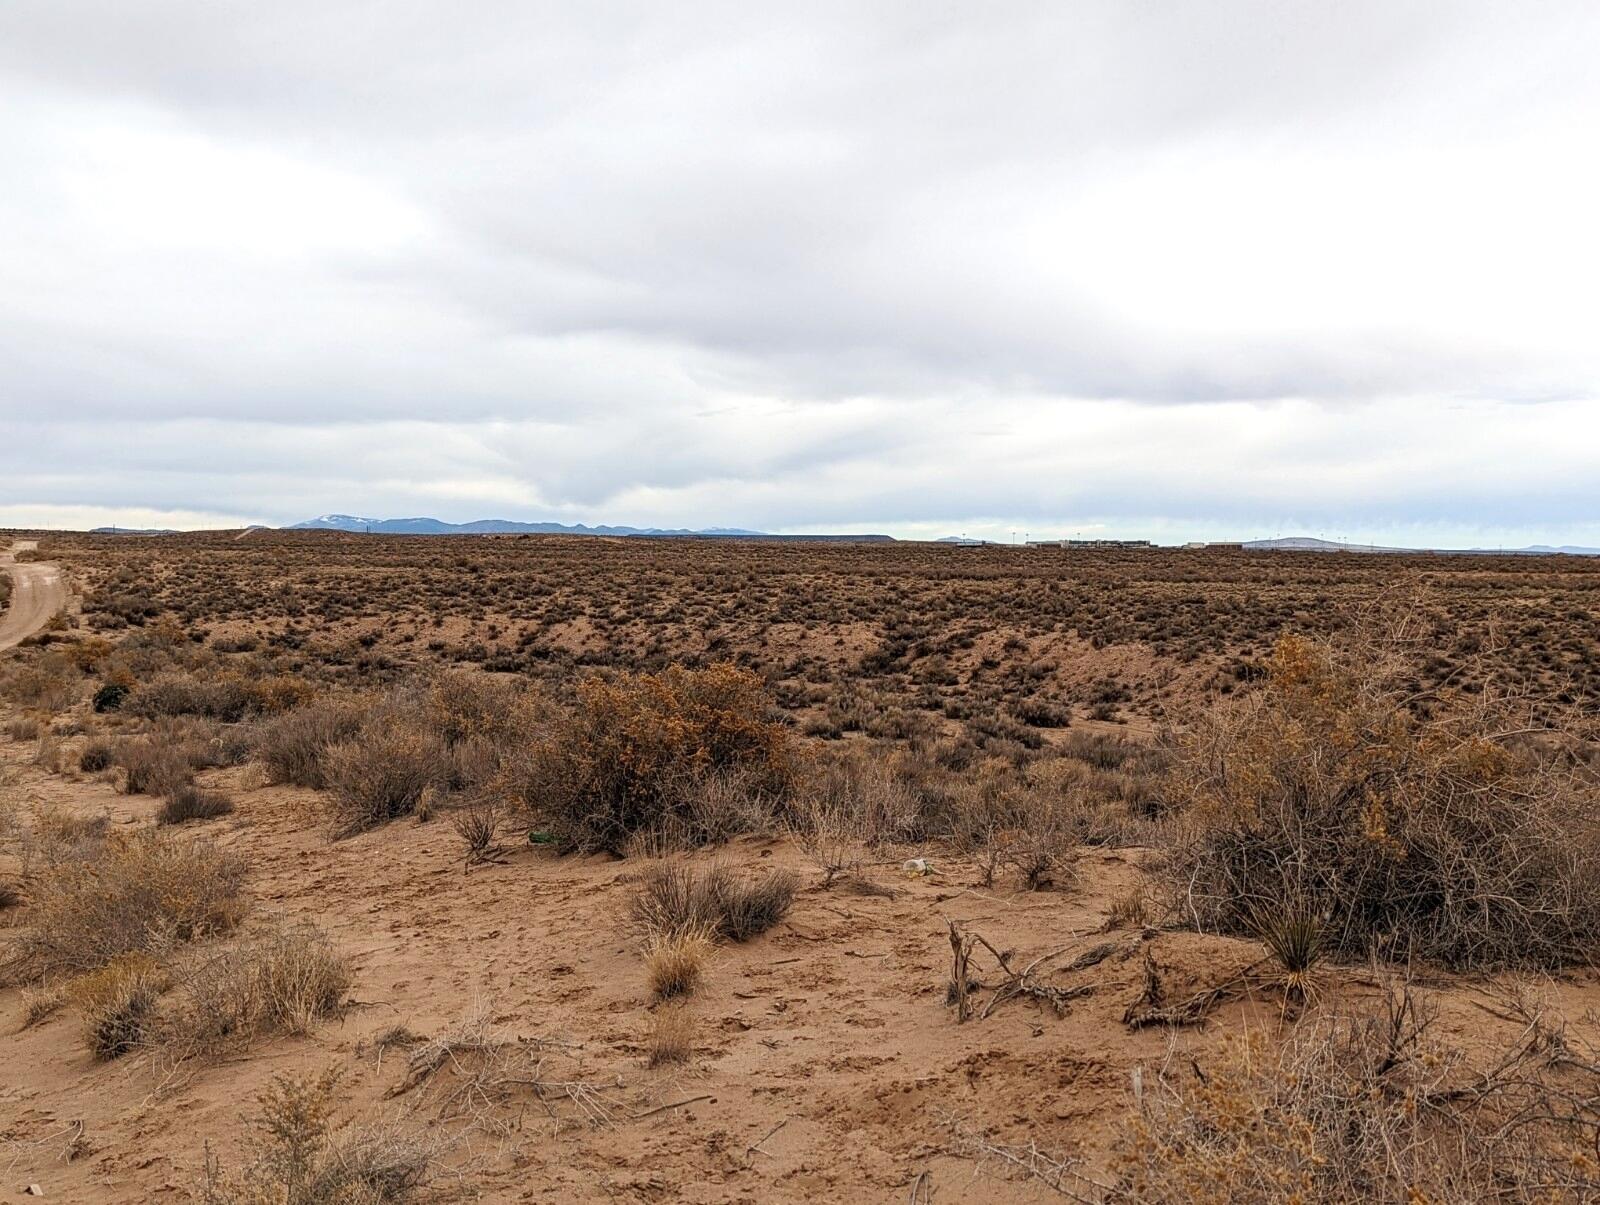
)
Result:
{"points": [[1308, 544], [481, 527]]}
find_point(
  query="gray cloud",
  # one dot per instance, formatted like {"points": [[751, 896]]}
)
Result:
{"points": [[730, 264]]}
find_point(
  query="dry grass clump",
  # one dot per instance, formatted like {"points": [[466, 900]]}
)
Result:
{"points": [[293, 747], [297, 1155], [1369, 1108], [673, 897], [278, 981], [1418, 825], [24, 728], [631, 754], [675, 960], [118, 1004], [669, 1040], [130, 893], [191, 803], [41, 1003]]}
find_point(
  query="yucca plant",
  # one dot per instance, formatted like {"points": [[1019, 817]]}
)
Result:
{"points": [[1292, 930]]}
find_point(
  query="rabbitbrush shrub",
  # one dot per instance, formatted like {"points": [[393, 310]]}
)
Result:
{"points": [[1435, 831]]}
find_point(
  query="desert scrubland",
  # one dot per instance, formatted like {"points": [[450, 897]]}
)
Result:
{"points": [[343, 868]]}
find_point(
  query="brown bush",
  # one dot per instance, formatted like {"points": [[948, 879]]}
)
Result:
{"points": [[293, 747], [132, 893], [627, 757], [1415, 825], [117, 1004], [191, 803], [228, 699], [383, 772], [156, 765], [96, 755]]}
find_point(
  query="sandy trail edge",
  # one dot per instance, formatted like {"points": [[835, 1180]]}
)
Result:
{"points": [[38, 591]]}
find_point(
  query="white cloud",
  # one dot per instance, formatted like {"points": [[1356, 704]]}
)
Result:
{"points": [[1204, 268]]}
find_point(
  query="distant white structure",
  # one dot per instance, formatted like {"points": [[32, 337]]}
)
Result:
{"points": [[1090, 544]]}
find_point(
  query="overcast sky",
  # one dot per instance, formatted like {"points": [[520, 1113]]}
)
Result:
{"points": [[1176, 270]]}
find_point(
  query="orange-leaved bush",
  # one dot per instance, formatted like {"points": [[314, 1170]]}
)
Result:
{"points": [[633, 755]]}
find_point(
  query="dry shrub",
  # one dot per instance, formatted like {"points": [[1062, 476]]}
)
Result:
{"points": [[158, 764], [478, 826], [1369, 1108], [191, 803], [298, 1156], [228, 698], [96, 755], [628, 756], [293, 747], [382, 772], [51, 683], [670, 1038], [1131, 909], [830, 836], [132, 893], [1415, 824], [466, 707], [24, 728], [672, 897], [278, 981], [118, 1004], [675, 961], [857, 798]]}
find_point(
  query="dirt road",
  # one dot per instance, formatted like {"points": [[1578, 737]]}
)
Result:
{"points": [[38, 591]]}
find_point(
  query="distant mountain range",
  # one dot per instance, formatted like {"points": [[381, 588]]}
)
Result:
{"points": [[480, 527], [424, 526], [1308, 544]]}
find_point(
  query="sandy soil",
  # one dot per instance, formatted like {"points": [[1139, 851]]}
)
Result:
{"points": [[38, 591], [828, 1066]]}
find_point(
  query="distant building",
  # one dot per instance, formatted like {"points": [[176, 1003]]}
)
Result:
{"points": [[1090, 544]]}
